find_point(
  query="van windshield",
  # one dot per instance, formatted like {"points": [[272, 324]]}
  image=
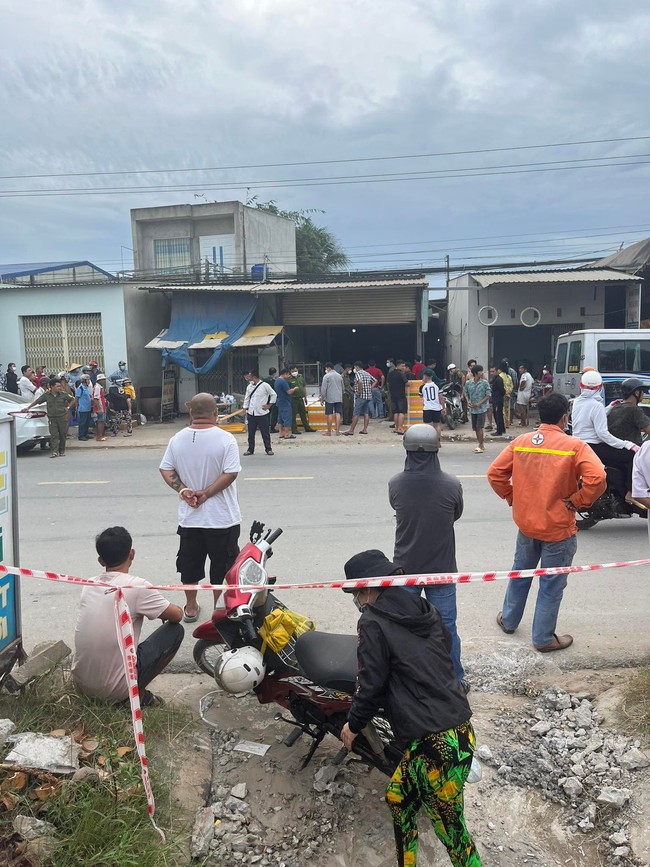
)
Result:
{"points": [[624, 356]]}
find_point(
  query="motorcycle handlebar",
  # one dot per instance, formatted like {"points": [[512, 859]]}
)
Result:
{"points": [[274, 535]]}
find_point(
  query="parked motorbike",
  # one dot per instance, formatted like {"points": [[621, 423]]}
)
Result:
{"points": [[609, 505], [313, 676], [454, 412]]}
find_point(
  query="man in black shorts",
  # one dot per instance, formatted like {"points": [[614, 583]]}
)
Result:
{"points": [[201, 464], [397, 380]]}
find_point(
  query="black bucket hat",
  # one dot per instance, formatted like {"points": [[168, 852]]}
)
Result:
{"points": [[368, 564]]}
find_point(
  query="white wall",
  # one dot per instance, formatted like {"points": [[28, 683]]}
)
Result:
{"points": [[106, 300], [464, 305], [271, 236]]}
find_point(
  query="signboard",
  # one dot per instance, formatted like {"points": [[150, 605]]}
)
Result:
{"points": [[9, 585], [167, 401]]}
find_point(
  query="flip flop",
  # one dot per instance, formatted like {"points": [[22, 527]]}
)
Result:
{"points": [[191, 618], [364, 432]]}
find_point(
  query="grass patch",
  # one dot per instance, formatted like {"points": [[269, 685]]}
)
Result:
{"points": [[104, 824], [637, 700]]}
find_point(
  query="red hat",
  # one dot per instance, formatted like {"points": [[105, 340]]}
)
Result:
{"points": [[93, 364]]}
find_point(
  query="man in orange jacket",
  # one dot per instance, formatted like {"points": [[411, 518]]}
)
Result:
{"points": [[538, 475]]}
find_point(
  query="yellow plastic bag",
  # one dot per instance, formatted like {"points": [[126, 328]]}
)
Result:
{"points": [[280, 626]]}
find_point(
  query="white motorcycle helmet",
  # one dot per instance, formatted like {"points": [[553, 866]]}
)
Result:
{"points": [[591, 380], [241, 670]]}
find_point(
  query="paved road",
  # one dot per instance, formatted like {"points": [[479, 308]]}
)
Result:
{"points": [[331, 500]]}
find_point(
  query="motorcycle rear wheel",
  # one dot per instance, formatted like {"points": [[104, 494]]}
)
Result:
{"points": [[207, 653]]}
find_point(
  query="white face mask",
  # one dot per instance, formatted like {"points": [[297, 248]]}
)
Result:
{"points": [[294, 373], [358, 605]]}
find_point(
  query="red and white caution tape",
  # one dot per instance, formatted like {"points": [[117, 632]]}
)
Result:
{"points": [[126, 639], [422, 580]]}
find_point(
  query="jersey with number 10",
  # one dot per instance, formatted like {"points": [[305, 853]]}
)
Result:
{"points": [[430, 396]]}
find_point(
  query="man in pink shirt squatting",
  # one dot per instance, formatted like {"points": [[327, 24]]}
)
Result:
{"points": [[97, 668]]}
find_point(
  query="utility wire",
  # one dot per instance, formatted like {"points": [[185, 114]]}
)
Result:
{"points": [[99, 191], [336, 161]]}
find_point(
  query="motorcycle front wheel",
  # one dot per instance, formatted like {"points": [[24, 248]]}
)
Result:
{"points": [[451, 424], [207, 654]]}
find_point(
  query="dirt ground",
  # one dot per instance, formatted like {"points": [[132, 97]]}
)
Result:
{"points": [[512, 825]]}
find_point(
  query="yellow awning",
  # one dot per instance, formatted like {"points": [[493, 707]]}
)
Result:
{"points": [[258, 335], [210, 341]]}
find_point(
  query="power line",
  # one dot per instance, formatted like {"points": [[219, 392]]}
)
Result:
{"points": [[351, 180], [332, 162]]}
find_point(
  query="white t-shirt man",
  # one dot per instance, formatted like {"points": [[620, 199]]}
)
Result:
{"points": [[200, 457], [98, 668], [430, 397], [525, 388], [641, 474]]}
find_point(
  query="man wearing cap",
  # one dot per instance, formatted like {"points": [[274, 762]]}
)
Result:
{"points": [[83, 393], [427, 503], [120, 373], [99, 407], [405, 667], [93, 370], [298, 402], [58, 403]]}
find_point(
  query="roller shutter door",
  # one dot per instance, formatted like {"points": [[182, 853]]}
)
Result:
{"points": [[363, 306], [58, 341]]}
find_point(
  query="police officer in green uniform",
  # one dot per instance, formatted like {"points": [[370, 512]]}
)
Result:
{"points": [[298, 399], [273, 414]]}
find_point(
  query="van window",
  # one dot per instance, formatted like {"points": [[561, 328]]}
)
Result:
{"points": [[560, 361], [624, 356], [575, 356]]}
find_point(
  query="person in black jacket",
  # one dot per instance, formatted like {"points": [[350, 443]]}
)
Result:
{"points": [[12, 379], [405, 667], [498, 398]]}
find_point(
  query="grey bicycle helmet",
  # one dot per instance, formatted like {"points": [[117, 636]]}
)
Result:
{"points": [[421, 438], [630, 385]]}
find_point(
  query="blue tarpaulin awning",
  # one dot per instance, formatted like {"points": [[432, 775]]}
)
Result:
{"points": [[198, 315]]}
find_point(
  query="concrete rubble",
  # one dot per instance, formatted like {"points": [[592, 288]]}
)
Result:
{"points": [[58, 755], [587, 770]]}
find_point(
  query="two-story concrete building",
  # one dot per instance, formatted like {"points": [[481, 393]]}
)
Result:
{"points": [[211, 240]]}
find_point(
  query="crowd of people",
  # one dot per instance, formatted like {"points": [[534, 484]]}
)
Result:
{"points": [[80, 397]]}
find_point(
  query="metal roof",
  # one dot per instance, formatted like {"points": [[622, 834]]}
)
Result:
{"points": [[586, 275], [26, 269], [292, 285]]}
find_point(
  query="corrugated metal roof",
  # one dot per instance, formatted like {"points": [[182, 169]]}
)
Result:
{"points": [[586, 275], [258, 335], [159, 342], [291, 285], [33, 268]]}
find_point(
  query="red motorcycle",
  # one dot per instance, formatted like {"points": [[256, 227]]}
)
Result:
{"points": [[313, 676]]}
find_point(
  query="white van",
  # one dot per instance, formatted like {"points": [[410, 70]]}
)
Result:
{"points": [[614, 353]]}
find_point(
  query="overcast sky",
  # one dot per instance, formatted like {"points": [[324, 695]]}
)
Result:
{"points": [[91, 86]]}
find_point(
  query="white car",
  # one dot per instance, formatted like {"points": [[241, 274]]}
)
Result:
{"points": [[31, 427]]}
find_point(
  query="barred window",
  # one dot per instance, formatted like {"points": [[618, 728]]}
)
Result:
{"points": [[172, 254]]}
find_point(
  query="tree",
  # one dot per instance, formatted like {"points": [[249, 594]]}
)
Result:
{"points": [[318, 251]]}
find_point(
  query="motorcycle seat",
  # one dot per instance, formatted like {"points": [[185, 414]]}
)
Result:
{"points": [[329, 660]]}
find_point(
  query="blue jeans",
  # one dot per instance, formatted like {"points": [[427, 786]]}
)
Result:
{"points": [[528, 553], [377, 404], [443, 597]]}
